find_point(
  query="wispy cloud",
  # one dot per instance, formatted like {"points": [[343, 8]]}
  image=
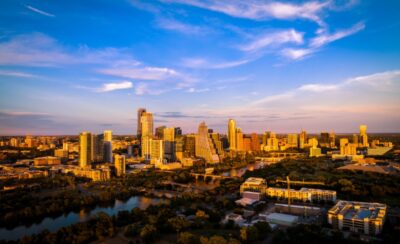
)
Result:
{"points": [[274, 39], [202, 63], [196, 90], [259, 10], [39, 11], [323, 38], [17, 74], [115, 86], [318, 87], [174, 25], [326, 38], [141, 73]]}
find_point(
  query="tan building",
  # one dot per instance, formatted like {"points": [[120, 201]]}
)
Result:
{"points": [[42, 161], [253, 184], [293, 140], [304, 194], [204, 146], [363, 136], [120, 164], [86, 149], [239, 140], [360, 217], [232, 135], [156, 151], [255, 143]]}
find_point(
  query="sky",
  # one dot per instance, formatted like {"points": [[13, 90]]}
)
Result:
{"points": [[319, 65]]}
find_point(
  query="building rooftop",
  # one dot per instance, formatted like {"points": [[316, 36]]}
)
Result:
{"points": [[359, 210], [254, 180]]}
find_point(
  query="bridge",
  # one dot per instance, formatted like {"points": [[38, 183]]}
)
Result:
{"points": [[213, 177]]}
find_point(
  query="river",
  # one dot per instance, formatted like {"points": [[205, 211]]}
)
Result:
{"points": [[53, 224]]}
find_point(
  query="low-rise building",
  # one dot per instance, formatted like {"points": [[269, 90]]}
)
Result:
{"points": [[304, 194], [43, 161], [253, 184], [360, 217]]}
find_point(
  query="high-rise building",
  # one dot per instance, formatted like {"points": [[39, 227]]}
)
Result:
{"points": [[255, 143], [107, 152], [146, 121], [108, 135], [216, 140], [324, 139], [303, 139], [156, 151], [98, 148], [355, 139], [160, 132], [313, 142], [120, 164], [86, 149], [204, 146], [169, 143], [246, 144], [139, 122], [232, 135], [239, 139], [293, 140], [178, 131], [189, 146], [332, 140], [272, 142], [364, 136]]}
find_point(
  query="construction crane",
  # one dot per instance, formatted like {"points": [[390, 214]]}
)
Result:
{"points": [[298, 182]]}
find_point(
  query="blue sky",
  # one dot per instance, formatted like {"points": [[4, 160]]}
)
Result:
{"points": [[69, 66]]}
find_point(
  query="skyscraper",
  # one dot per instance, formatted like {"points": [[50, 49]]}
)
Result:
{"points": [[107, 146], [120, 164], [364, 136], [255, 143], [146, 121], [169, 143], [139, 123], [86, 149], [204, 146], [232, 135], [302, 139], [293, 140], [108, 135], [239, 139], [324, 139]]}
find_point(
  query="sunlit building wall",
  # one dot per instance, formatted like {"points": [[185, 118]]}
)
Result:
{"points": [[86, 149], [232, 135]]}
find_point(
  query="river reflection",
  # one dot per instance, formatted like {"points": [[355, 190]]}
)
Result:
{"points": [[53, 224], [239, 172]]}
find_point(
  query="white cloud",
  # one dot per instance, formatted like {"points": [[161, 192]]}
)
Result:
{"points": [[297, 53], [202, 63], [259, 10], [326, 38], [274, 39], [195, 90], [318, 87], [174, 25], [115, 86], [39, 11], [17, 74], [141, 73]]}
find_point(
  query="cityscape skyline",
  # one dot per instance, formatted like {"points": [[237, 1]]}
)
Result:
{"points": [[280, 66]]}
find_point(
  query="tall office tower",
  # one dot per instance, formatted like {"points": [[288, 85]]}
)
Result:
{"points": [[30, 142], [157, 151], [255, 143], [216, 140], [313, 142], [303, 139], [169, 143], [204, 146], [239, 139], [160, 132], [355, 139], [86, 149], [363, 136], [120, 164], [246, 144], [272, 142], [332, 140], [343, 142], [179, 148], [139, 122], [293, 140], [324, 140], [265, 137], [232, 135], [107, 152], [146, 121], [98, 148], [178, 131], [108, 135], [189, 146]]}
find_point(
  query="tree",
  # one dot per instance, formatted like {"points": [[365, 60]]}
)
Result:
{"points": [[187, 238], [148, 233], [178, 223]]}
